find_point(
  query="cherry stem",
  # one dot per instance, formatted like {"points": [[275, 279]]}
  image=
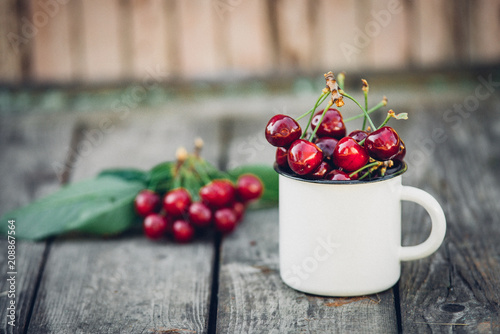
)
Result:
{"points": [[385, 121], [359, 105], [320, 100], [376, 163], [366, 108], [330, 103], [378, 106]]}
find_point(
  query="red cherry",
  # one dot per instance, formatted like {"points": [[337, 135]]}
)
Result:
{"points": [[358, 135], [249, 187], [327, 145], [337, 175], [182, 231], [218, 193], [199, 214], [304, 156], [349, 155], [239, 210], [154, 226], [176, 202], [402, 152], [282, 130], [383, 144], [146, 202], [331, 126], [225, 220], [321, 171], [281, 157]]}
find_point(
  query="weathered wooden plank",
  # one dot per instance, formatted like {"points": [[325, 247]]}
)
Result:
{"points": [[129, 284], [253, 299], [249, 36], [11, 43], [51, 52], [485, 29], [456, 289], [29, 145], [102, 40], [149, 36]]}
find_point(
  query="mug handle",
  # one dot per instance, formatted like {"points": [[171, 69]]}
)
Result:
{"points": [[438, 230]]}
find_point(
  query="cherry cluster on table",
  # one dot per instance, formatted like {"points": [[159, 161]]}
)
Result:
{"points": [[221, 206], [331, 154]]}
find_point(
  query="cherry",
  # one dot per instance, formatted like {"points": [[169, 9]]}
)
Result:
{"points": [[321, 171], [146, 202], [249, 187], [331, 126], [327, 145], [337, 175], [281, 157], [182, 231], [199, 214], [349, 155], [282, 130], [358, 135], [402, 152], [225, 220], [176, 202], [218, 193], [383, 144], [304, 156], [239, 210], [154, 226]]}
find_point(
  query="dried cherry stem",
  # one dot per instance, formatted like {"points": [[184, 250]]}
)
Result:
{"points": [[376, 163], [365, 112], [330, 103], [381, 104], [320, 100]]}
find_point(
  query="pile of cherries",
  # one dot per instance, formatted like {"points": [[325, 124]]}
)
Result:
{"points": [[221, 206], [330, 153]]}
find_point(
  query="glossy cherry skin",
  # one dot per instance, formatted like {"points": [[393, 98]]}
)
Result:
{"points": [[155, 226], [304, 157], [282, 157], [182, 231], [337, 175], [200, 215], [218, 193], [383, 144], [225, 220], [358, 135], [402, 152], [249, 187], [327, 145], [282, 130], [321, 171], [349, 155], [239, 209], [331, 126], [146, 202], [176, 202]]}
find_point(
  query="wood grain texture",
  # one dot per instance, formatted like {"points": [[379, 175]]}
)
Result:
{"points": [[29, 145], [11, 43], [52, 56], [128, 283], [456, 289], [253, 299]]}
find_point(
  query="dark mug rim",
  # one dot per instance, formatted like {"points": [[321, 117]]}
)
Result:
{"points": [[402, 168]]}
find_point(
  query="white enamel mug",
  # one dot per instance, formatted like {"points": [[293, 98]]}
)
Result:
{"points": [[344, 239]]}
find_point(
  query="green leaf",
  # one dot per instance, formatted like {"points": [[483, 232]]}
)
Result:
{"points": [[269, 178], [102, 205], [127, 174], [161, 176]]}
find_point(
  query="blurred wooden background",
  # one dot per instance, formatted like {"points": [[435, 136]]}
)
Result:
{"points": [[95, 41]]}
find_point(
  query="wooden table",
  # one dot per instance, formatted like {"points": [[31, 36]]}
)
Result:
{"points": [[128, 284]]}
